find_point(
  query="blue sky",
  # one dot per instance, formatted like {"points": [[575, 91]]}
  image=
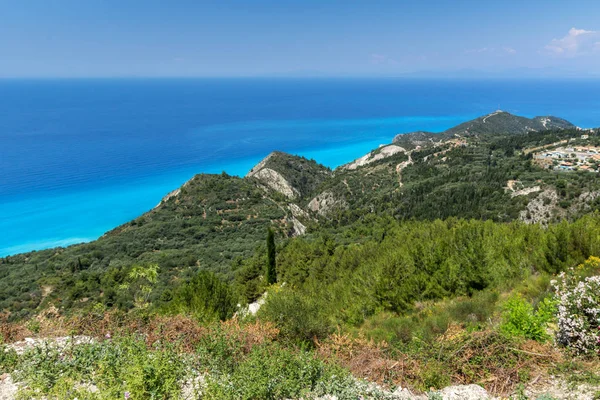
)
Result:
{"points": [[108, 38]]}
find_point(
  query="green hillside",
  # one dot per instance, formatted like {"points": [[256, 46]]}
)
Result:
{"points": [[214, 222]]}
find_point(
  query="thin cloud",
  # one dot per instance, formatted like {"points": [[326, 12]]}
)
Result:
{"points": [[577, 42], [474, 51], [491, 50]]}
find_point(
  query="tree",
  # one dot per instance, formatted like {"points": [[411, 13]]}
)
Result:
{"points": [[271, 264], [140, 282], [205, 297]]}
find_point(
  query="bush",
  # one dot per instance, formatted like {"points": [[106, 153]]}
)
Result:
{"points": [[520, 318], [205, 298], [270, 372], [299, 318]]}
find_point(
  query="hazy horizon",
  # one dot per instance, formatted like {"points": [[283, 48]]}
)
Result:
{"points": [[431, 39]]}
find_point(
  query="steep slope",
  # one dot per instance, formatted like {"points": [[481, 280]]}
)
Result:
{"points": [[375, 155], [293, 176], [212, 221]]}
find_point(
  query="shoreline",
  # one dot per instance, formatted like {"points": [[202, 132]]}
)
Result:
{"points": [[119, 197]]}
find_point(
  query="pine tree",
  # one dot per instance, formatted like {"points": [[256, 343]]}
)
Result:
{"points": [[271, 266]]}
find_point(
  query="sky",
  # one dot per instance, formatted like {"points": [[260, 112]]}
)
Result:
{"points": [[226, 38]]}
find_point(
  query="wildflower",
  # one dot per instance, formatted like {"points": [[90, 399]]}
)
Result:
{"points": [[107, 335], [578, 312], [127, 394]]}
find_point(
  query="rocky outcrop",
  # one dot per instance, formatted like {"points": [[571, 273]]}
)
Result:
{"points": [[260, 165], [379, 154], [326, 202], [515, 188], [8, 388], [293, 176], [298, 214], [464, 392], [58, 343], [276, 181], [540, 209], [169, 195]]}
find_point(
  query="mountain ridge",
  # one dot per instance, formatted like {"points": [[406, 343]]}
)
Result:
{"points": [[499, 122]]}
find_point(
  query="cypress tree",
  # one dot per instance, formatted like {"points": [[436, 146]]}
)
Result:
{"points": [[271, 267]]}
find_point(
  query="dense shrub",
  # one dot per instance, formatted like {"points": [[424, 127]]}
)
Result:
{"points": [[115, 367], [520, 318], [299, 318], [205, 297], [272, 372]]}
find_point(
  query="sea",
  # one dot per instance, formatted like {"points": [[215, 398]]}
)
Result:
{"points": [[80, 157]]}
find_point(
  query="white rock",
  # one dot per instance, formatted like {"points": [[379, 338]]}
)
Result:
{"points": [[464, 392], [277, 182], [405, 394], [8, 389], [384, 152]]}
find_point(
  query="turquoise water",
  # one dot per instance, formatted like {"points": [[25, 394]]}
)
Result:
{"points": [[78, 158]]}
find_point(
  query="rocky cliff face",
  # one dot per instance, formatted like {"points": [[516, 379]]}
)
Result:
{"points": [[293, 176], [375, 155]]}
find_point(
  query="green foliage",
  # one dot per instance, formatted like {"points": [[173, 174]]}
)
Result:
{"points": [[300, 318], [381, 265], [272, 372], [205, 297], [304, 175], [432, 319], [8, 359], [140, 282], [114, 367], [271, 273], [221, 368], [213, 221], [520, 318], [250, 280]]}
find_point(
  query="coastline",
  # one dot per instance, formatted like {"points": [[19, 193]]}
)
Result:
{"points": [[85, 215]]}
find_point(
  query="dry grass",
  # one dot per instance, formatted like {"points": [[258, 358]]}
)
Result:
{"points": [[368, 360], [485, 357], [178, 329], [498, 363]]}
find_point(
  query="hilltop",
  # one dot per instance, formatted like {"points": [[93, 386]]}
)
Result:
{"points": [[293, 176], [498, 122]]}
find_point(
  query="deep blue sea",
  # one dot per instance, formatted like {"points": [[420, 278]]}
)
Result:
{"points": [[79, 157]]}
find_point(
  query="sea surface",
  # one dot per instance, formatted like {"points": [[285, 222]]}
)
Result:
{"points": [[80, 157]]}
